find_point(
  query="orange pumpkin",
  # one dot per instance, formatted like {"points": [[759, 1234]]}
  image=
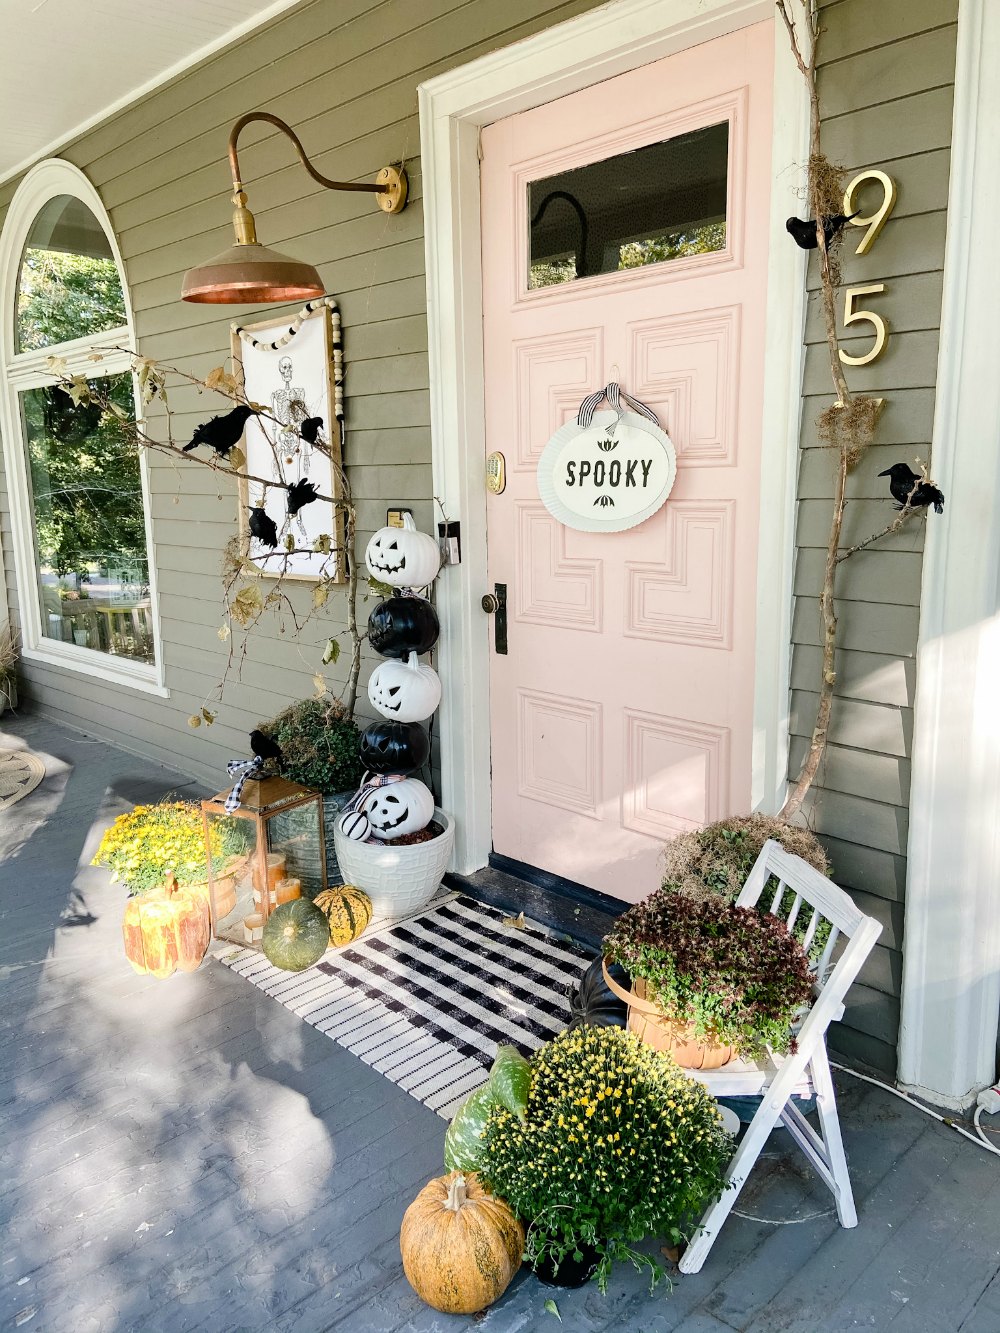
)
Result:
{"points": [[166, 929], [461, 1247]]}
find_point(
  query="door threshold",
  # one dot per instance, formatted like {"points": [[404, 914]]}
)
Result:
{"points": [[562, 905]]}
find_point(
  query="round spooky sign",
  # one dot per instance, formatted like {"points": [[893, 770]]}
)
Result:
{"points": [[608, 476]]}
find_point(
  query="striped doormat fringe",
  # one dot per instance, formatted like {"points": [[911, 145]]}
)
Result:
{"points": [[427, 999]]}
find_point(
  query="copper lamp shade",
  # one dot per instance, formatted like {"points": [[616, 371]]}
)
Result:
{"points": [[248, 273], [251, 274]]}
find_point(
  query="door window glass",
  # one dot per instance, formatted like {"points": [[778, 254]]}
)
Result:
{"points": [[649, 206]]}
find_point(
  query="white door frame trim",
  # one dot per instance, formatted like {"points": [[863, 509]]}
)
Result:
{"points": [[951, 957], [453, 107]]}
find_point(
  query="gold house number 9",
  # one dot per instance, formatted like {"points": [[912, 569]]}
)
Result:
{"points": [[874, 222]]}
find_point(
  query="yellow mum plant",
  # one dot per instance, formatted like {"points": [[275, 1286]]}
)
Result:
{"points": [[150, 842], [616, 1144]]}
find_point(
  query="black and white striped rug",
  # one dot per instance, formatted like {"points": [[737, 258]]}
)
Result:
{"points": [[427, 999]]}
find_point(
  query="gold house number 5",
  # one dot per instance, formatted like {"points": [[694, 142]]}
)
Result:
{"points": [[873, 222]]}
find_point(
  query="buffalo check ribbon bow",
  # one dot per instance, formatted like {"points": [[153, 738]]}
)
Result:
{"points": [[242, 770], [615, 395]]}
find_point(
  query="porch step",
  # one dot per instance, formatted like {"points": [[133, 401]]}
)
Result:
{"points": [[562, 905]]}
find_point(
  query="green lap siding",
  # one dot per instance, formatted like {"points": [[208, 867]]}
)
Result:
{"points": [[886, 86]]}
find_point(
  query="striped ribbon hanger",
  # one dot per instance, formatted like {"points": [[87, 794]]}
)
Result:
{"points": [[370, 782], [615, 395]]}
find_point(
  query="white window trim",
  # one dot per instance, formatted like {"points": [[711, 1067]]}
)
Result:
{"points": [[24, 370], [951, 955], [453, 107]]}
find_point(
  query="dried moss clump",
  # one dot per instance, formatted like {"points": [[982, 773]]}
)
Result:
{"points": [[320, 744], [851, 428], [716, 860]]}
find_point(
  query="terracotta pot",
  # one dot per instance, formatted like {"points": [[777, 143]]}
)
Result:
{"points": [[659, 1030]]}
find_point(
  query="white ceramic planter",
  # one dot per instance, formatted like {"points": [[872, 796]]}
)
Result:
{"points": [[397, 879]]}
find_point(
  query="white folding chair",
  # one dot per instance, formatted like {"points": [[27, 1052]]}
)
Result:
{"points": [[777, 1079]]}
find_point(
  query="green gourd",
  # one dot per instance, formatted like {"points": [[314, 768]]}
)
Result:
{"points": [[461, 1141], [507, 1086], [296, 935]]}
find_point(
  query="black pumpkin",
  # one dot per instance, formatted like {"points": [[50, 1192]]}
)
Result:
{"points": [[394, 747], [403, 625], [593, 1005]]}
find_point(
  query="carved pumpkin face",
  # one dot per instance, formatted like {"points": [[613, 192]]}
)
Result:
{"points": [[402, 807], [404, 691], [403, 625], [403, 557], [394, 747]]}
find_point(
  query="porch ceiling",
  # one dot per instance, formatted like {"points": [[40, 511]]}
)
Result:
{"points": [[67, 65]]}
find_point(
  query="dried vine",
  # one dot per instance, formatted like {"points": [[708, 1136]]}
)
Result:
{"points": [[848, 425], [244, 599]]}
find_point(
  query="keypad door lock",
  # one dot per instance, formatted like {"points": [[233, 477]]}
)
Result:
{"points": [[495, 604]]}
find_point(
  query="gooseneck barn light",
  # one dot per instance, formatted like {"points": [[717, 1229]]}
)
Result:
{"points": [[249, 273]]}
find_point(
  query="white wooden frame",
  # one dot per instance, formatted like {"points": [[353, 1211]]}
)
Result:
{"points": [[28, 370], [807, 1071], [453, 107], [951, 959]]}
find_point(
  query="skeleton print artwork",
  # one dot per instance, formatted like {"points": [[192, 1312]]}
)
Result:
{"points": [[294, 383]]}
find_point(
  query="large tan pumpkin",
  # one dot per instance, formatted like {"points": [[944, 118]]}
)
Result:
{"points": [[166, 929], [461, 1247]]}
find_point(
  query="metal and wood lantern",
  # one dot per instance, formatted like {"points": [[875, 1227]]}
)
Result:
{"points": [[279, 825]]}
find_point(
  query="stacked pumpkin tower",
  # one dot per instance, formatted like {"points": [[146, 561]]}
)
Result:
{"points": [[392, 804]]}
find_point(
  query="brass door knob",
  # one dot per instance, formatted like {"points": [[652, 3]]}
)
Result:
{"points": [[490, 603]]}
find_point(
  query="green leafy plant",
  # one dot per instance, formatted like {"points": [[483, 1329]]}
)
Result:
{"points": [[737, 975], [616, 1144], [148, 843], [320, 744]]}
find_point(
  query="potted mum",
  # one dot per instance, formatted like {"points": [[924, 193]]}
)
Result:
{"points": [[320, 747], [158, 852], [616, 1144], [708, 978]]}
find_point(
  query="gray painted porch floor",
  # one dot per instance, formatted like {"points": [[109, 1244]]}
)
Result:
{"points": [[188, 1155]]}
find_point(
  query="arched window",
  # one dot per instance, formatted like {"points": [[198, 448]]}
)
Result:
{"points": [[77, 483]]}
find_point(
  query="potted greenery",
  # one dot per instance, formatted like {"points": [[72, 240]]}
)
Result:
{"points": [[615, 1144], [708, 978], [320, 747], [8, 667]]}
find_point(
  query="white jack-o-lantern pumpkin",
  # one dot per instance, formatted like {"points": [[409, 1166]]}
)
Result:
{"points": [[404, 691], [403, 557], [401, 807]]}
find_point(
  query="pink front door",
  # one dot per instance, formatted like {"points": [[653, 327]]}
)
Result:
{"points": [[625, 236]]}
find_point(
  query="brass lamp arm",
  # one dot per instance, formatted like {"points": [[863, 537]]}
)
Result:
{"points": [[234, 161]]}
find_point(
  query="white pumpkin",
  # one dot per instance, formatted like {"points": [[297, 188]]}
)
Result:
{"points": [[403, 557], [399, 808], [404, 691], [355, 825]]}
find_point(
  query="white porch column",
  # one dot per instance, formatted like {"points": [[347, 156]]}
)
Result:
{"points": [[951, 945]]}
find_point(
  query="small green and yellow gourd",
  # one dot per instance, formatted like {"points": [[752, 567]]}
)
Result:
{"points": [[348, 911]]}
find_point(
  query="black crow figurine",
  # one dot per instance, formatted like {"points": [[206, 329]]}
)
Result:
{"points": [[310, 429], [804, 232], [263, 527], [902, 480], [301, 493], [265, 748], [222, 433]]}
